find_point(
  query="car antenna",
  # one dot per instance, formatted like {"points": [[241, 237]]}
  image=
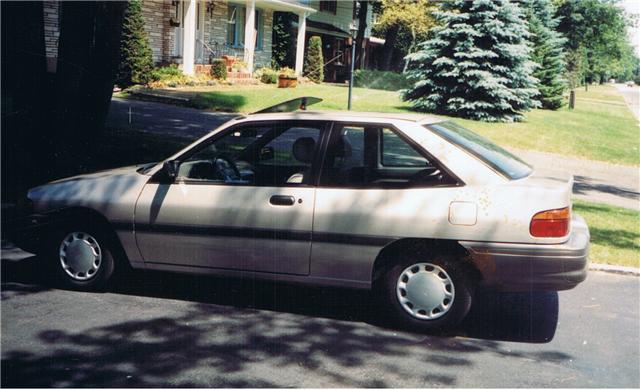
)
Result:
{"points": [[300, 103]]}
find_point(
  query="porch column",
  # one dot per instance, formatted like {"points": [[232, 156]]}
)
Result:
{"points": [[250, 34], [189, 37], [302, 30]]}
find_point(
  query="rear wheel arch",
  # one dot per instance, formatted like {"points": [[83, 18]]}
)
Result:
{"points": [[420, 248]]}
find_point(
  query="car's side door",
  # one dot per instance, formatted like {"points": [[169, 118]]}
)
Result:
{"points": [[375, 186], [241, 201]]}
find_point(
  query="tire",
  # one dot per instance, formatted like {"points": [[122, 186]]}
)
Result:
{"points": [[448, 277], [80, 257]]}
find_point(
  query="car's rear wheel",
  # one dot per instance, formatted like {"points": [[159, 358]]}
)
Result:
{"points": [[81, 258], [433, 294]]}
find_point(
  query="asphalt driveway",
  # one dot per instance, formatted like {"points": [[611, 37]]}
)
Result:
{"points": [[171, 330]]}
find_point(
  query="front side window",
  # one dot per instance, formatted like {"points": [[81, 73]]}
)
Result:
{"points": [[361, 156], [263, 155]]}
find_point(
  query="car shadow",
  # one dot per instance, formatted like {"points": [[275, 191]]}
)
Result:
{"points": [[519, 317]]}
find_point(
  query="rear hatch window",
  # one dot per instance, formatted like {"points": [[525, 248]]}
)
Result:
{"points": [[491, 154]]}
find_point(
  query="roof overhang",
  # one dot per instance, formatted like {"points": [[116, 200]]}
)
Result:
{"points": [[278, 5], [324, 28]]}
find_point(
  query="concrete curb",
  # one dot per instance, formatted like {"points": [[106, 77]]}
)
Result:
{"points": [[614, 269]]}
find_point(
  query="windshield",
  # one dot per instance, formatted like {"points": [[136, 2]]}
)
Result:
{"points": [[491, 154]]}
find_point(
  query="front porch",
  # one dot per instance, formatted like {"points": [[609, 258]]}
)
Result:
{"points": [[206, 30]]}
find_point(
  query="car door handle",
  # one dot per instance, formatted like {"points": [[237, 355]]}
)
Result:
{"points": [[282, 200]]}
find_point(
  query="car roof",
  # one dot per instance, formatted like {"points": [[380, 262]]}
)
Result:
{"points": [[359, 116]]}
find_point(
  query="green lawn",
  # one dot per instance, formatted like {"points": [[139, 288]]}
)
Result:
{"points": [[615, 233], [600, 128]]}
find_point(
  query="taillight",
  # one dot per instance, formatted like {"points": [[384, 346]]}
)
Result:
{"points": [[551, 223]]}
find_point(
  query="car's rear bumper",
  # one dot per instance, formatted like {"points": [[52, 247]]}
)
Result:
{"points": [[533, 267]]}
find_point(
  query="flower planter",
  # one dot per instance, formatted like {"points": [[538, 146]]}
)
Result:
{"points": [[287, 82], [229, 60]]}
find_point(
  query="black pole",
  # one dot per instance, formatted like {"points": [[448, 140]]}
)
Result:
{"points": [[353, 60]]}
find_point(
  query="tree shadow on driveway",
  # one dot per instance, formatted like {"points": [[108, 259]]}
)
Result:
{"points": [[243, 332]]}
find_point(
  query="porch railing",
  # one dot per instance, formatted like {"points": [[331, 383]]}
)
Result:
{"points": [[214, 50]]}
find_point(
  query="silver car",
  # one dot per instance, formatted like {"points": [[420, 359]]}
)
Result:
{"points": [[420, 210]]}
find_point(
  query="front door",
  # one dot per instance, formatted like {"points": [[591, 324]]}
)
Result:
{"points": [[243, 201]]}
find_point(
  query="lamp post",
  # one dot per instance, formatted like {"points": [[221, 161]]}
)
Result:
{"points": [[353, 29]]}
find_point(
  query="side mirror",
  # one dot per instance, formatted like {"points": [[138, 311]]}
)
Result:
{"points": [[267, 153], [171, 168]]}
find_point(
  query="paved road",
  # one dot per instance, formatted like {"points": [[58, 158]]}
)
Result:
{"points": [[632, 97], [163, 118], [594, 181], [598, 182], [169, 330]]}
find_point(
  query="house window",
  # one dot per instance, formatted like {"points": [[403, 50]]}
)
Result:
{"points": [[236, 23], [329, 6]]}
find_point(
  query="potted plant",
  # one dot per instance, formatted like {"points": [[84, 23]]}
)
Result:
{"points": [[287, 78]]}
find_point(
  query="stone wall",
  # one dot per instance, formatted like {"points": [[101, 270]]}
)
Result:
{"points": [[51, 33], [156, 15], [263, 57]]}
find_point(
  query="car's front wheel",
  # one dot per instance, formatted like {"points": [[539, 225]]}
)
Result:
{"points": [[81, 258], [433, 294]]}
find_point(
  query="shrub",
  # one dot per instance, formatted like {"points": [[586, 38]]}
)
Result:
{"points": [[313, 61], [239, 66], [219, 69], [166, 73], [266, 75], [379, 79], [287, 72], [136, 61]]}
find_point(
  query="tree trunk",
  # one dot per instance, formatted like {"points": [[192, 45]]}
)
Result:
{"points": [[389, 47], [411, 47], [362, 26], [88, 55], [24, 96]]}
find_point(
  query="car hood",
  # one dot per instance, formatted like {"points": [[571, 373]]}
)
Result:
{"points": [[98, 174], [103, 190]]}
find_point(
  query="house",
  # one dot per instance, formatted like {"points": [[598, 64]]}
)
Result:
{"points": [[192, 32]]}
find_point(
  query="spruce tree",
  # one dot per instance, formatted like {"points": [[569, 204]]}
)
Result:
{"points": [[476, 65], [548, 52], [313, 61], [136, 61]]}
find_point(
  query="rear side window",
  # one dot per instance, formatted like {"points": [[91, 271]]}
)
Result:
{"points": [[376, 156], [491, 154]]}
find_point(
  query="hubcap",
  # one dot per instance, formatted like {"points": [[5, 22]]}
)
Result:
{"points": [[425, 291], [80, 255]]}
